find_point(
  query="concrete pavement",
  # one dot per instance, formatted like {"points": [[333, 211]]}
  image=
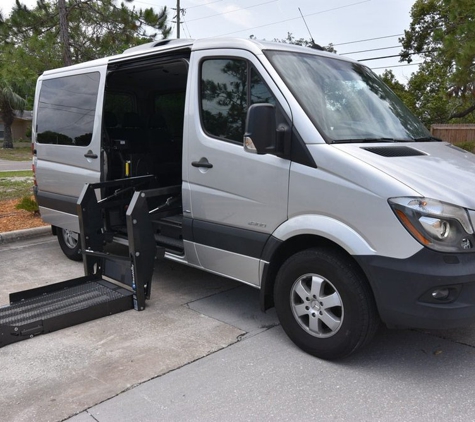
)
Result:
{"points": [[202, 351], [55, 376], [398, 378]]}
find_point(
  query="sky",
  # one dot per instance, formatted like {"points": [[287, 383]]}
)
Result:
{"points": [[353, 26]]}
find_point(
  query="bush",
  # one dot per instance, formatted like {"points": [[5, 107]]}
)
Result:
{"points": [[467, 146], [27, 203]]}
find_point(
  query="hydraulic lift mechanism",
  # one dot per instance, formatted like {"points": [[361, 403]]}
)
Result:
{"points": [[113, 282]]}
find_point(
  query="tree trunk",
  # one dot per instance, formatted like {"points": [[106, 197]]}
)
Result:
{"points": [[7, 117], [7, 136], [63, 32]]}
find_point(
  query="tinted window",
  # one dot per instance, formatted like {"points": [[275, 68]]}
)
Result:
{"points": [[228, 87], [66, 109]]}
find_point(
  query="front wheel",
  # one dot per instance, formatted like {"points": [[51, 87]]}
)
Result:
{"points": [[70, 243], [324, 303]]}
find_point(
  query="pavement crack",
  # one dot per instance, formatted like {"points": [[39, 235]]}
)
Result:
{"points": [[441, 336]]}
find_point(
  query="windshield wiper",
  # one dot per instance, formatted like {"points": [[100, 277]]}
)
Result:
{"points": [[427, 139]]}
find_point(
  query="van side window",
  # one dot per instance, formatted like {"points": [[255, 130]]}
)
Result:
{"points": [[228, 87], [66, 109]]}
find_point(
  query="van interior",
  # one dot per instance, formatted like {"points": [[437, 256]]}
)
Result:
{"points": [[142, 135]]}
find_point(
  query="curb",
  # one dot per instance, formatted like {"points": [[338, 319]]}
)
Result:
{"points": [[16, 235]]}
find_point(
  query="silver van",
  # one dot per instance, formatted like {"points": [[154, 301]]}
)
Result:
{"points": [[301, 174]]}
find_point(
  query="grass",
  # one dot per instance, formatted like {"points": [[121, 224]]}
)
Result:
{"points": [[15, 184], [21, 151]]}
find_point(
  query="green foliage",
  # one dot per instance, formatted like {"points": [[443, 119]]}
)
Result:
{"points": [[95, 28], [303, 42], [467, 146], [10, 100], [397, 87], [27, 203], [442, 32], [30, 43]]}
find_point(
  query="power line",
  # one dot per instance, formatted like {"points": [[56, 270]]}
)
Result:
{"points": [[369, 39], [397, 65], [187, 29], [144, 2], [230, 11], [379, 58], [205, 4], [292, 19], [395, 55], [373, 49], [191, 7]]}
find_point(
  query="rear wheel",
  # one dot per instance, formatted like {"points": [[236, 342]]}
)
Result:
{"points": [[70, 243], [324, 303]]}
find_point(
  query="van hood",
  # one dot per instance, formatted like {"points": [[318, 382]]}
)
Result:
{"points": [[435, 170]]}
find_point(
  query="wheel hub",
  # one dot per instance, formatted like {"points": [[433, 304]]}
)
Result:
{"points": [[317, 305]]}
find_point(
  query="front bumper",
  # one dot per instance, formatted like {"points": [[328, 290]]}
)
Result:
{"points": [[403, 289]]}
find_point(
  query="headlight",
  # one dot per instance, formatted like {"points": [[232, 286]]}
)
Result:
{"points": [[435, 224]]}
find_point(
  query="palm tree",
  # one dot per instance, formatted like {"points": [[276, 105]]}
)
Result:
{"points": [[9, 102]]}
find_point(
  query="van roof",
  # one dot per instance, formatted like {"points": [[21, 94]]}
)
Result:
{"points": [[152, 48]]}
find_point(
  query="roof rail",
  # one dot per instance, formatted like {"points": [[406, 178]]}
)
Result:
{"points": [[161, 43]]}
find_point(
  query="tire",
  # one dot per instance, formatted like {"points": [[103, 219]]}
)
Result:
{"points": [[325, 304], [70, 243]]}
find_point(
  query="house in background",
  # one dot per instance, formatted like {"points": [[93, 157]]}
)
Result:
{"points": [[21, 125]]}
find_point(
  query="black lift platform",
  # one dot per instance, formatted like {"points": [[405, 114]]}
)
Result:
{"points": [[113, 282], [60, 305]]}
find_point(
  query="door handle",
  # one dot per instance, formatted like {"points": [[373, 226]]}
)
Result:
{"points": [[204, 163], [90, 154]]}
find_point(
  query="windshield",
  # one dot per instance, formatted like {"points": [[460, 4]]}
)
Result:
{"points": [[346, 101]]}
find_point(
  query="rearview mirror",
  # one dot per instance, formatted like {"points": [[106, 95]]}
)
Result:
{"points": [[260, 134]]}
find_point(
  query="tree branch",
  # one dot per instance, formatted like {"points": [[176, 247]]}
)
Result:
{"points": [[463, 113]]}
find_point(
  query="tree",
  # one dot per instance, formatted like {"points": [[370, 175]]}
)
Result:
{"points": [[306, 43], [79, 30], [58, 33], [303, 42], [442, 33], [9, 102], [397, 87]]}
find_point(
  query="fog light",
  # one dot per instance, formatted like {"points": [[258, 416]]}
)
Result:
{"points": [[441, 294]]}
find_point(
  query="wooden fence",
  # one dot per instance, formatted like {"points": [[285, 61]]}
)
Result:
{"points": [[455, 134]]}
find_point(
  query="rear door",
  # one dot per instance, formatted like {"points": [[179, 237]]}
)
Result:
{"points": [[67, 140], [237, 199]]}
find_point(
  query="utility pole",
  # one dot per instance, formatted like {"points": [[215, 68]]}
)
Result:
{"points": [[179, 12]]}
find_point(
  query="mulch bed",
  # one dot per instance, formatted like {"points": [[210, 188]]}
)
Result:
{"points": [[13, 219]]}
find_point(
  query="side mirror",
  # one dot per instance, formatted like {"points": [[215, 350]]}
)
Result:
{"points": [[260, 135]]}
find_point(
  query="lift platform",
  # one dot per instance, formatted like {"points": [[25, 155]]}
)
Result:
{"points": [[113, 282]]}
